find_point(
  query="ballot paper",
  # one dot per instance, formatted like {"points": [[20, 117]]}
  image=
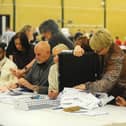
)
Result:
{"points": [[73, 97]]}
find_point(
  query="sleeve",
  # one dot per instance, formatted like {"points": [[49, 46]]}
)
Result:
{"points": [[28, 76], [110, 77], [12, 79], [53, 78]]}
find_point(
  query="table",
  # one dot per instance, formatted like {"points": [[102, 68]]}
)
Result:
{"points": [[48, 117]]}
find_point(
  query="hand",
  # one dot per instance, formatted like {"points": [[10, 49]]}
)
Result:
{"points": [[22, 82], [53, 94], [3, 89], [78, 51], [18, 72], [120, 101], [12, 86], [80, 87]]}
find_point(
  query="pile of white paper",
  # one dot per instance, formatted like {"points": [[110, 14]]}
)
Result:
{"points": [[73, 97]]}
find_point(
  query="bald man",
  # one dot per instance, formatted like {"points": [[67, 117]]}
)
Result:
{"points": [[37, 77]]}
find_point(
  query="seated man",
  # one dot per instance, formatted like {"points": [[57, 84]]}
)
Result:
{"points": [[6, 77], [37, 78]]}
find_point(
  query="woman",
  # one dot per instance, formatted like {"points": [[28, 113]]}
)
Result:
{"points": [[102, 43], [23, 53]]}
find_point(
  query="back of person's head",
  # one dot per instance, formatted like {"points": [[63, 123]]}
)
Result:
{"points": [[23, 39], [59, 48], [101, 39], [26, 28], [3, 46], [48, 26]]}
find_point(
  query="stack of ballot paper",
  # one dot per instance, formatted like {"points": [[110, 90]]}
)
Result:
{"points": [[73, 97]]}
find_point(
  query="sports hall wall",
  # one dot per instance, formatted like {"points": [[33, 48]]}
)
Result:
{"points": [[78, 14]]}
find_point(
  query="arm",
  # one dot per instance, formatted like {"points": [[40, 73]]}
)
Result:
{"points": [[25, 83], [53, 78], [20, 72], [53, 82], [110, 77]]}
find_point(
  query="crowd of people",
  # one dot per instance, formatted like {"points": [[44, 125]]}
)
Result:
{"points": [[34, 67]]}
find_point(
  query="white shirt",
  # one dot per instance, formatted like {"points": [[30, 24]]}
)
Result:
{"points": [[6, 77]]}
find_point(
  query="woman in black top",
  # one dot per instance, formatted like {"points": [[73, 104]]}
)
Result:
{"points": [[22, 52]]}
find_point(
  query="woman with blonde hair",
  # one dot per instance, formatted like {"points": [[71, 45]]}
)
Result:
{"points": [[114, 67]]}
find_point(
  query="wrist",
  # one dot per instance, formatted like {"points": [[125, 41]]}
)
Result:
{"points": [[25, 69], [87, 85]]}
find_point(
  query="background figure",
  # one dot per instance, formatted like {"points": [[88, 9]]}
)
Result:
{"points": [[53, 72], [6, 77], [50, 30], [118, 41], [28, 30], [83, 41], [7, 35]]}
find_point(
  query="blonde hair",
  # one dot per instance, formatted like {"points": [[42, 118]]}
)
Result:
{"points": [[26, 28], [101, 39], [59, 48]]}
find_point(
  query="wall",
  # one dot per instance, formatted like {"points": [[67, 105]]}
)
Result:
{"points": [[84, 14]]}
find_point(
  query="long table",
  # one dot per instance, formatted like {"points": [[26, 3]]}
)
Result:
{"points": [[48, 117]]}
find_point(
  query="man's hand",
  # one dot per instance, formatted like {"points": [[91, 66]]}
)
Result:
{"points": [[25, 83], [120, 101], [78, 51], [53, 94], [80, 87]]}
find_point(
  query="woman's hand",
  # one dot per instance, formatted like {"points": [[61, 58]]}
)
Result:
{"points": [[78, 51], [53, 94], [80, 87]]}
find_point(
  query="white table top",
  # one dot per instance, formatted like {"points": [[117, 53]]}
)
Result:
{"points": [[46, 117]]}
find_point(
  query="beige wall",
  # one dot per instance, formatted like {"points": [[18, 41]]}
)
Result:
{"points": [[85, 14]]}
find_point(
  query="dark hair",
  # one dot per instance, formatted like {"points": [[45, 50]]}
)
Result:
{"points": [[24, 40], [3, 46], [48, 25]]}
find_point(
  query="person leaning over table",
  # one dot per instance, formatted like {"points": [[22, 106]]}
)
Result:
{"points": [[114, 68], [50, 30], [37, 78]]}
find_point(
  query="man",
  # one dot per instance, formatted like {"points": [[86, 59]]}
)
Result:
{"points": [[37, 77], [50, 30], [6, 77]]}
